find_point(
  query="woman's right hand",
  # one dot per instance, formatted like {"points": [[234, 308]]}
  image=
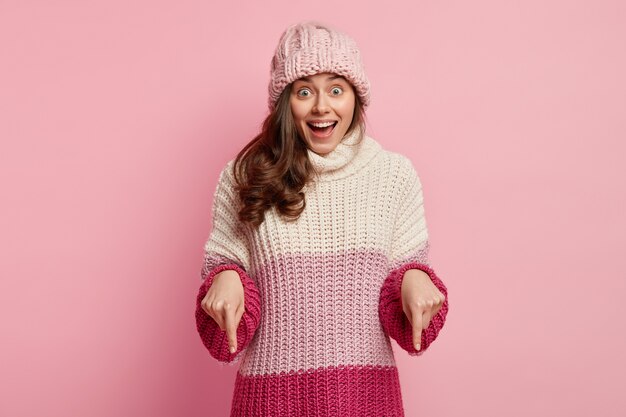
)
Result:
{"points": [[224, 302]]}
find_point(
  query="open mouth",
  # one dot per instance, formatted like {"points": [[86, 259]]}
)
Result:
{"points": [[322, 129]]}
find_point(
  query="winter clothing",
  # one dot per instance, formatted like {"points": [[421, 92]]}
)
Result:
{"points": [[322, 294], [310, 48]]}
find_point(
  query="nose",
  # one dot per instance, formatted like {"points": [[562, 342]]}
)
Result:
{"points": [[321, 104]]}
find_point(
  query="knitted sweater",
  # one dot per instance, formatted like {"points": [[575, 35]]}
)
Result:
{"points": [[322, 294]]}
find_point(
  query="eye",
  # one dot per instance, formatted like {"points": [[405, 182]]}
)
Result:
{"points": [[304, 92], [336, 91]]}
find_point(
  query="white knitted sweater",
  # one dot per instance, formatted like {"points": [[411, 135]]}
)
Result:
{"points": [[322, 293]]}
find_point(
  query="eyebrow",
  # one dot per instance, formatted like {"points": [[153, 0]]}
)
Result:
{"points": [[330, 78]]}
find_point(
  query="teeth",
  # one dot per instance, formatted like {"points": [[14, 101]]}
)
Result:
{"points": [[324, 124]]}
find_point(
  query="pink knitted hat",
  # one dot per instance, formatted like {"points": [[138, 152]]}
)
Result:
{"points": [[309, 48]]}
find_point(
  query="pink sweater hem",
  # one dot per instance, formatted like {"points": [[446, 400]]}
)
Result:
{"points": [[356, 391]]}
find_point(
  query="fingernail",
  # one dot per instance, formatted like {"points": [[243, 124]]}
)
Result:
{"points": [[417, 346], [232, 349]]}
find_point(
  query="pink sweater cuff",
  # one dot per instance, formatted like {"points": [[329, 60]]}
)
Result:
{"points": [[214, 338], [393, 319]]}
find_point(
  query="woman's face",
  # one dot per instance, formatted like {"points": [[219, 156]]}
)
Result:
{"points": [[322, 106]]}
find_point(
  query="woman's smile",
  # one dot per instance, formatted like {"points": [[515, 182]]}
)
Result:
{"points": [[322, 129]]}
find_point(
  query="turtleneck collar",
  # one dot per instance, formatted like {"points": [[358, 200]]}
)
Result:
{"points": [[348, 157]]}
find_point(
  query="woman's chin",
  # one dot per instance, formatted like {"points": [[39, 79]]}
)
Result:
{"points": [[323, 148]]}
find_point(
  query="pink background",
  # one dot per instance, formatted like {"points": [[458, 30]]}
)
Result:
{"points": [[117, 116]]}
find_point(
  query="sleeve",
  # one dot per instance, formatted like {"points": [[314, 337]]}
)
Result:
{"points": [[409, 250], [226, 249]]}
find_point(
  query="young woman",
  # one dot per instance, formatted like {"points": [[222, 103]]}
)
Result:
{"points": [[318, 253]]}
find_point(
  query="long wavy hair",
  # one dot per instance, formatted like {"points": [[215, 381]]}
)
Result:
{"points": [[273, 168]]}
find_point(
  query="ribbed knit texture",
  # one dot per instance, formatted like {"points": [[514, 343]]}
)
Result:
{"points": [[310, 48], [215, 340], [322, 294]]}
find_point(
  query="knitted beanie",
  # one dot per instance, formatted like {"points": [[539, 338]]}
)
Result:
{"points": [[310, 48]]}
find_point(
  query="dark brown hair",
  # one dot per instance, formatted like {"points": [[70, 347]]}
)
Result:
{"points": [[272, 168]]}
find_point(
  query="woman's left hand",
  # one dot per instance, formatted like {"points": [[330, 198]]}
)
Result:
{"points": [[421, 300]]}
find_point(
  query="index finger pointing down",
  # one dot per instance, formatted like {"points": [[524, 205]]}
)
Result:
{"points": [[231, 329], [417, 328]]}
